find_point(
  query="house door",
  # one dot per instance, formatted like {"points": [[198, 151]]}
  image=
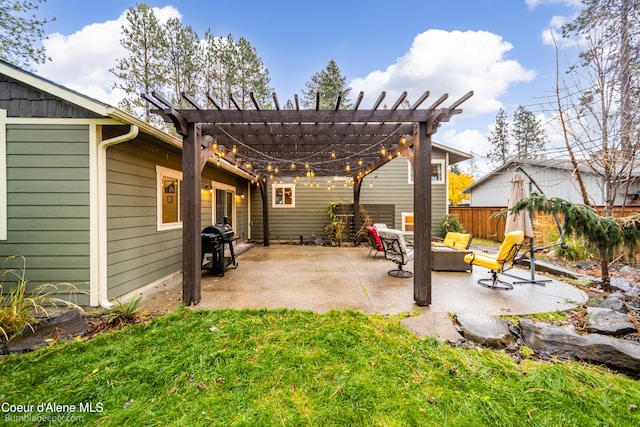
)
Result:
{"points": [[224, 204]]}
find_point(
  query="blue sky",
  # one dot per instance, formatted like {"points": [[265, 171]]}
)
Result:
{"points": [[497, 48]]}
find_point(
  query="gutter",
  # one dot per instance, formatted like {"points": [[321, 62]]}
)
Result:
{"points": [[102, 210]]}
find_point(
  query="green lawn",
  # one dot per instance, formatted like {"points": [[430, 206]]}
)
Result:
{"points": [[261, 368]]}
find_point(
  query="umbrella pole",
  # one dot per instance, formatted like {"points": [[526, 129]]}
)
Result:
{"points": [[532, 258]]}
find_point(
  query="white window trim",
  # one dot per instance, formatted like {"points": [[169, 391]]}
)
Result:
{"points": [[404, 222], [3, 174], [169, 173], [273, 195], [442, 162]]}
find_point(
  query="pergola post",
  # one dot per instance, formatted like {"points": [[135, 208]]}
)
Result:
{"points": [[265, 212], [357, 186], [422, 214], [191, 214]]}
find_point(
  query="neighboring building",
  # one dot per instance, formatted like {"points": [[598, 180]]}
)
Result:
{"points": [[300, 207], [90, 195], [555, 178]]}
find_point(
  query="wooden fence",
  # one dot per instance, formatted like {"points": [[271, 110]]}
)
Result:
{"points": [[484, 222]]}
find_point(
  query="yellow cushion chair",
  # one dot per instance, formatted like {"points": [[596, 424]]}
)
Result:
{"points": [[500, 262]]}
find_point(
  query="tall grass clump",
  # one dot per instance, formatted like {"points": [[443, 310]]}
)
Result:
{"points": [[21, 309], [547, 234]]}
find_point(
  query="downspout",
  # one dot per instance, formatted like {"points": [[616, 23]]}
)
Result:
{"points": [[102, 210]]}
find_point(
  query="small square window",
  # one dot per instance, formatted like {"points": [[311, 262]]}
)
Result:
{"points": [[284, 195], [437, 171], [407, 222]]}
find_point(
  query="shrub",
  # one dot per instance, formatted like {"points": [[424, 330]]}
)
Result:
{"points": [[451, 222], [124, 313], [20, 309]]}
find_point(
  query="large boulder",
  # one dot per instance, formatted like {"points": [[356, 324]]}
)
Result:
{"points": [[566, 343], [608, 322]]}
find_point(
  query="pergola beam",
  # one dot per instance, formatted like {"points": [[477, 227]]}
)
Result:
{"points": [[355, 137]]}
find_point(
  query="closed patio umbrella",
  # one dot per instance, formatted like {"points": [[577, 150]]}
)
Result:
{"points": [[521, 221]]}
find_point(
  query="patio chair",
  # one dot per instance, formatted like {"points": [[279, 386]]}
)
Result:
{"points": [[395, 249], [374, 240], [498, 263]]}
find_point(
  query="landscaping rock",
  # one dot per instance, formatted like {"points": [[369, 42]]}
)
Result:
{"points": [[629, 270], [566, 343], [485, 330], [608, 322], [614, 302], [621, 284], [68, 324], [434, 324]]}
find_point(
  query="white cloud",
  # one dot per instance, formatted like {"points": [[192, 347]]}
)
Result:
{"points": [[450, 62], [535, 3], [553, 34], [81, 61], [468, 140]]}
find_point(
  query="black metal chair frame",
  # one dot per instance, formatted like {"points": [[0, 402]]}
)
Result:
{"points": [[392, 248]]}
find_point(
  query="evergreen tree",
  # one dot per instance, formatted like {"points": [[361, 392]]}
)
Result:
{"points": [[250, 75], [143, 70], [499, 151], [21, 33], [182, 59], [217, 67], [529, 135], [329, 83]]}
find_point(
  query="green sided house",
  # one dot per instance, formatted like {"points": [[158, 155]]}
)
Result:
{"points": [[90, 195], [299, 206]]}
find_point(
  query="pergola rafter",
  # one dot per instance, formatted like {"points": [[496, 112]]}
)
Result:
{"points": [[272, 143]]}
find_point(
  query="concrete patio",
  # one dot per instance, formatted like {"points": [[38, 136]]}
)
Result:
{"points": [[324, 278]]}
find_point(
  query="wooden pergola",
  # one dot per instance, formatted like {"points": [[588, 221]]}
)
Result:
{"points": [[272, 143]]}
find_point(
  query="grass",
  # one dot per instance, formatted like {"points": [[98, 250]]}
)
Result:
{"points": [[21, 308], [262, 368]]}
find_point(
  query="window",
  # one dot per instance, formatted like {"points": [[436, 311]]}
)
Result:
{"points": [[438, 171], [283, 195], [407, 222], [169, 207], [224, 205]]}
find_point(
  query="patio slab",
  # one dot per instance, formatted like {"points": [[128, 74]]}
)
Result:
{"points": [[323, 278]]}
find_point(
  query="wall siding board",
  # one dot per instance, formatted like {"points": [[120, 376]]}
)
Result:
{"points": [[48, 202], [137, 252], [389, 185], [27, 211]]}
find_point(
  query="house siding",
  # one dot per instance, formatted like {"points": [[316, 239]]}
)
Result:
{"points": [[138, 253], [48, 203], [389, 185], [554, 182]]}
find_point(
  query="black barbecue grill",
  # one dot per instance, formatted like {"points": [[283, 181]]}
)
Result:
{"points": [[213, 239]]}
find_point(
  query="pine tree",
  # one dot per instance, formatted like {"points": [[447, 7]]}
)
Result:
{"points": [[143, 70], [182, 59], [529, 135], [329, 83], [499, 151], [21, 33], [250, 75], [217, 68]]}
